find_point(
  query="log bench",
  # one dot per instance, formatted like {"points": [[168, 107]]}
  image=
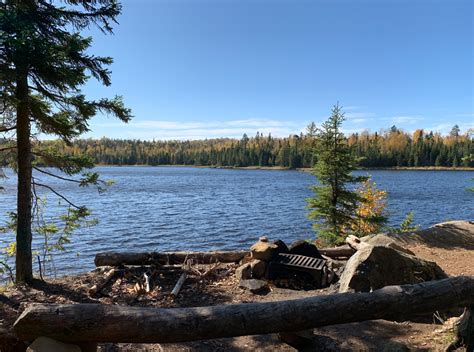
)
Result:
{"points": [[113, 323]]}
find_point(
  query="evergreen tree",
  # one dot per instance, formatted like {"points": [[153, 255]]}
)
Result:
{"points": [[43, 64], [334, 205]]}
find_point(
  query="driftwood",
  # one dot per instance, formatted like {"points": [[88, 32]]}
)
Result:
{"points": [[338, 252], [113, 323], [166, 258], [182, 278], [355, 243], [464, 329]]}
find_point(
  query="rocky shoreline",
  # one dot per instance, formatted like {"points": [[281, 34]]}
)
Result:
{"points": [[450, 245]]}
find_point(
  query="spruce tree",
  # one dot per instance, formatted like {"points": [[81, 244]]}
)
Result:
{"points": [[43, 63], [334, 204]]}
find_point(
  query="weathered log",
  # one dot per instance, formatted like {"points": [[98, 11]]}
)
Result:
{"points": [[464, 329], [355, 243], [173, 258], [164, 258], [113, 323], [337, 252], [182, 278]]}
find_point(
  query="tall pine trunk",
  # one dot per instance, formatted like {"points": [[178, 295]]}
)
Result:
{"points": [[24, 270]]}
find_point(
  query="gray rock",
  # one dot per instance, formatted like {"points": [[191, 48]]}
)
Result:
{"points": [[45, 344], [374, 267], [259, 268], [243, 272], [386, 241], [254, 285]]}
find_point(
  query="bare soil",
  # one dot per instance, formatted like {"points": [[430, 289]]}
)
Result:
{"points": [[451, 245]]}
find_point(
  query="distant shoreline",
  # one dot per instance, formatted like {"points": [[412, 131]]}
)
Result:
{"points": [[305, 169]]}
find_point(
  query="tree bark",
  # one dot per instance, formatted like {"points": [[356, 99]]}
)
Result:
{"points": [[147, 258], [24, 269], [113, 323]]}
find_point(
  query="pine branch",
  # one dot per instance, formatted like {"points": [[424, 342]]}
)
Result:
{"points": [[57, 193], [54, 175], [7, 129], [7, 148]]}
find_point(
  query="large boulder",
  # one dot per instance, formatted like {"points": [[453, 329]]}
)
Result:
{"points": [[263, 250], [305, 248], [386, 241], [373, 267]]}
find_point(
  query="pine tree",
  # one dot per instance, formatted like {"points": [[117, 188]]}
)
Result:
{"points": [[334, 205], [43, 63]]}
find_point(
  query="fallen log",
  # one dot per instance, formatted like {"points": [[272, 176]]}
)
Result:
{"points": [[173, 258], [166, 258], [337, 252], [113, 323]]}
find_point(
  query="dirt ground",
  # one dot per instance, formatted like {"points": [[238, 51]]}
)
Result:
{"points": [[451, 245]]}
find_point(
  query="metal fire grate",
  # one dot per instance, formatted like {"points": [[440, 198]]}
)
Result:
{"points": [[286, 265], [300, 261]]}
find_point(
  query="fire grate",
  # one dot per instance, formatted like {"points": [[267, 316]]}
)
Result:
{"points": [[285, 262], [300, 261]]}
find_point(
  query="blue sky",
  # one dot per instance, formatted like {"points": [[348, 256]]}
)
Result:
{"points": [[192, 69]]}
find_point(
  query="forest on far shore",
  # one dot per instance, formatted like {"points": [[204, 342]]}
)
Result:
{"points": [[387, 148]]}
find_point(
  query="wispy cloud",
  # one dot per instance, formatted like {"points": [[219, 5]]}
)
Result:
{"points": [[156, 129], [405, 119]]}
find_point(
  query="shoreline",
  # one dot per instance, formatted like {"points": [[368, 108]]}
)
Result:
{"points": [[303, 169]]}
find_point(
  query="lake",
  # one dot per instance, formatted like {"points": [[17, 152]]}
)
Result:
{"points": [[184, 208]]}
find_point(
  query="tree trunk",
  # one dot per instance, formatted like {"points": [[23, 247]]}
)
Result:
{"points": [[24, 270], [113, 323]]}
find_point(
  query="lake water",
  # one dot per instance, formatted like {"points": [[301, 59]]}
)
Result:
{"points": [[181, 208]]}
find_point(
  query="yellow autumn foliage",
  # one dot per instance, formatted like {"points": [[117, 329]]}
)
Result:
{"points": [[370, 213]]}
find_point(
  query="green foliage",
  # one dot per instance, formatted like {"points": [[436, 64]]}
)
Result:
{"points": [[44, 61], [406, 225], [334, 205], [386, 148], [55, 234]]}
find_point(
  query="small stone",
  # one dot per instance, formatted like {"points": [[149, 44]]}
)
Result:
{"points": [[259, 268], [45, 344], [243, 272], [263, 239], [263, 250], [254, 285]]}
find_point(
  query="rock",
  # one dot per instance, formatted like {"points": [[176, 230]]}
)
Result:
{"points": [[263, 250], [259, 267], [45, 344], [281, 246], [373, 267], [302, 247], [386, 241], [243, 272], [254, 285]]}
